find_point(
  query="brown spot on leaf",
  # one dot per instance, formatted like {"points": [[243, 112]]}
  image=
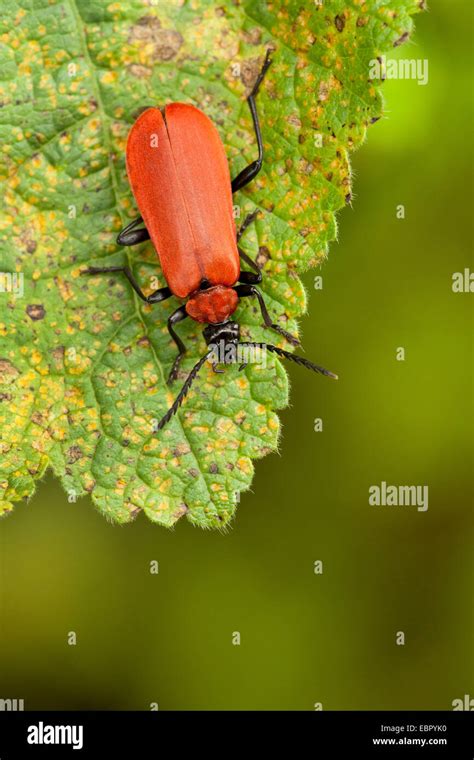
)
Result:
{"points": [[73, 454], [58, 353], [253, 36], [213, 468], [35, 311], [181, 450], [323, 92], [180, 511], [294, 120], [27, 240], [7, 371], [139, 71], [340, 23], [148, 31], [262, 256], [250, 70]]}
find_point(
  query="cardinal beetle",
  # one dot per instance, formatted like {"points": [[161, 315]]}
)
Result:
{"points": [[178, 171]]}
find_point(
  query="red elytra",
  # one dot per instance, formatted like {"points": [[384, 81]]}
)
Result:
{"points": [[180, 178]]}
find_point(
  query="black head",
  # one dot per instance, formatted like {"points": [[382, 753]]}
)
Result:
{"points": [[228, 332]]}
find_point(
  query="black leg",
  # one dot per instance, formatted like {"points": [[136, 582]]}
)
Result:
{"points": [[251, 171], [246, 223], [250, 278], [251, 263], [174, 318], [250, 290], [130, 236], [158, 295]]}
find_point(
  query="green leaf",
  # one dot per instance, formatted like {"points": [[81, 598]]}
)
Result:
{"points": [[82, 361]]}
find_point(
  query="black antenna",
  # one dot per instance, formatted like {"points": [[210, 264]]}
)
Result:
{"points": [[293, 358], [184, 391], [195, 370]]}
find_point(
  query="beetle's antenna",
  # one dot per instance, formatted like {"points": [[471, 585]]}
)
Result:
{"points": [[197, 367], [184, 391], [293, 358]]}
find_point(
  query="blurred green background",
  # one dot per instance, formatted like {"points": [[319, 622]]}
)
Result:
{"points": [[305, 638]]}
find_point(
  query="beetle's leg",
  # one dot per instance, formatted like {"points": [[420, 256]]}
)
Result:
{"points": [[247, 222], [252, 264], [173, 319], [250, 278], [155, 297], [250, 290], [251, 171], [130, 236]]}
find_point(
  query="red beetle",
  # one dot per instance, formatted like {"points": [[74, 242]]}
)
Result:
{"points": [[172, 154]]}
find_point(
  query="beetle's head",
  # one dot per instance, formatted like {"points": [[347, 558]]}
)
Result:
{"points": [[228, 332]]}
